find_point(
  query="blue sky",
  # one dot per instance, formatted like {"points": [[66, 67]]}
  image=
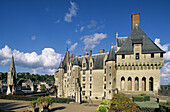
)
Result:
{"points": [[38, 32]]}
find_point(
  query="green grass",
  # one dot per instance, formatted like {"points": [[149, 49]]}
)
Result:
{"points": [[148, 104]]}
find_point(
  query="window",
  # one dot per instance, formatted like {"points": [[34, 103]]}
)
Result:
{"points": [[84, 64], [105, 78], [109, 82], [84, 78], [161, 54], [123, 56], [137, 55], [90, 64], [105, 63], [105, 71], [109, 91], [90, 78], [83, 92], [104, 86], [110, 74], [90, 93], [90, 71], [90, 86], [84, 86], [152, 55], [84, 72]]}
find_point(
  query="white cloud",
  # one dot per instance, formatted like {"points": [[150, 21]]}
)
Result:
{"points": [[81, 29], [91, 41], [92, 24], [57, 21], [48, 59], [73, 47], [68, 42], [72, 12], [76, 30], [33, 37]]}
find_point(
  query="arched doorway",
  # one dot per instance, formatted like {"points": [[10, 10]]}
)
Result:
{"points": [[143, 84], [122, 83], [136, 84], [151, 84], [129, 83]]}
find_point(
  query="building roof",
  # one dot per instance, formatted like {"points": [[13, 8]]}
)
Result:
{"points": [[111, 56], [120, 41], [12, 65], [138, 36]]}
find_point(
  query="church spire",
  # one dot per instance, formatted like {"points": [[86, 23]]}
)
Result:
{"points": [[12, 65]]}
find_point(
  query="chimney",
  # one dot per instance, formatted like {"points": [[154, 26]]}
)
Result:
{"points": [[101, 51], [71, 55], [86, 54], [90, 53], [79, 55], [135, 19], [68, 54]]}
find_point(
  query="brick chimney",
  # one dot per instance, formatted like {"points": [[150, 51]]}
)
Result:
{"points": [[71, 55], [90, 53], [101, 51], [68, 56], [135, 19]]}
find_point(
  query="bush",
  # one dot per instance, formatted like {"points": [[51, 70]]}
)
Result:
{"points": [[120, 102], [104, 106], [146, 98], [138, 98]]}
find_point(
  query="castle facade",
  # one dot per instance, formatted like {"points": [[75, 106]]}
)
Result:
{"points": [[133, 68]]}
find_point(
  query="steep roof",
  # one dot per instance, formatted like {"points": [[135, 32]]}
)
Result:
{"points": [[61, 65], [120, 41], [12, 65], [111, 56], [138, 36]]}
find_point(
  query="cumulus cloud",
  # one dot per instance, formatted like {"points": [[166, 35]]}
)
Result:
{"points": [[92, 24], [91, 41], [72, 12], [47, 60], [73, 47], [68, 42], [33, 37]]}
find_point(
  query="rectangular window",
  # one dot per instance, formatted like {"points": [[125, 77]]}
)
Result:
{"points": [[84, 86], [90, 64], [105, 71], [90, 93], [123, 56], [84, 64], [137, 55], [84, 78], [90, 71], [161, 54], [84, 72], [104, 86], [83, 92], [152, 55], [90, 78], [90, 86], [105, 78]]}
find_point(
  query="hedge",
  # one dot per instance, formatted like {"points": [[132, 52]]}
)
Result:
{"points": [[26, 98], [138, 98], [120, 102]]}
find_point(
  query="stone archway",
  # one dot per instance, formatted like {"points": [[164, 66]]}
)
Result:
{"points": [[151, 84], [122, 83], [129, 83], [143, 84], [136, 84]]}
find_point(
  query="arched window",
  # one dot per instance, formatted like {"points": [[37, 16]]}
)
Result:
{"points": [[143, 84], [129, 83], [151, 84], [122, 83], [136, 84]]}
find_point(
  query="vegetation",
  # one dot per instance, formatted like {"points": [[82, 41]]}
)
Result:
{"points": [[42, 87], [104, 106], [165, 87], [25, 98], [33, 77], [120, 102], [164, 106], [141, 98]]}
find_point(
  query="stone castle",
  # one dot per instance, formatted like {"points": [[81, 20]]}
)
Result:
{"points": [[133, 68]]}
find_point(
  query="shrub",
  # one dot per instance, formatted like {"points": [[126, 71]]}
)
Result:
{"points": [[146, 98], [46, 99], [104, 106], [33, 103], [138, 98]]}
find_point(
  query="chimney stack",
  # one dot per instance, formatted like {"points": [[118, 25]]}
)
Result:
{"points": [[68, 56], [135, 19], [101, 51], [71, 55], [90, 53]]}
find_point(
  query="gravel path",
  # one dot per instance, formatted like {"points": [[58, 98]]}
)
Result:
{"points": [[20, 106]]}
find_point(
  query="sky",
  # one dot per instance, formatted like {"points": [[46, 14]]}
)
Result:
{"points": [[38, 32]]}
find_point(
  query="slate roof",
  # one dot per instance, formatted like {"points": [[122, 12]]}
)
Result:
{"points": [[111, 56], [120, 41], [138, 36]]}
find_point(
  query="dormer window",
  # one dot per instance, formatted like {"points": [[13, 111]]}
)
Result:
{"points": [[84, 64], [123, 56], [84, 72], [90, 64], [90, 71], [137, 56], [152, 55]]}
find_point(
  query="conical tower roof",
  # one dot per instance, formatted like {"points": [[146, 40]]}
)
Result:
{"points": [[76, 61], [61, 64], [111, 56], [12, 65]]}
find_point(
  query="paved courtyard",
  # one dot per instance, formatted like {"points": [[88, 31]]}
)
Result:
{"points": [[20, 106]]}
